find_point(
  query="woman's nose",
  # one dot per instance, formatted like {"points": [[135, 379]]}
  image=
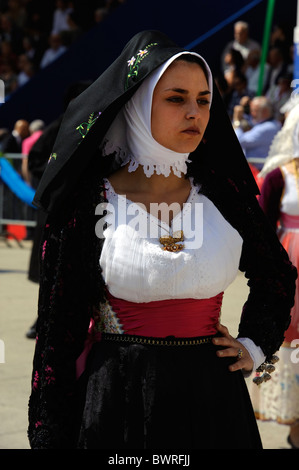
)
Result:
{"points": [[193, 110]]}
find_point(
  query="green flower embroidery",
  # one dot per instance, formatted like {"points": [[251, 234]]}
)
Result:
{"points": [[85, 126], [53, 156], [134, 62]]}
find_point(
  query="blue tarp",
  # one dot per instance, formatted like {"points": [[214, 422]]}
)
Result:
{"points": [[15, 182]]}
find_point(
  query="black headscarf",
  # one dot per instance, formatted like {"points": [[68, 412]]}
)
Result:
{"points": [[88, 118], [72, 288]]}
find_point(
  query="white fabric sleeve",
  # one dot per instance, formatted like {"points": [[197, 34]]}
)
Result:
{"points": [[255, 352]]}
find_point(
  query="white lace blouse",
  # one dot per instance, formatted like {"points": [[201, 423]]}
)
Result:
{"points": [[135, 266]]}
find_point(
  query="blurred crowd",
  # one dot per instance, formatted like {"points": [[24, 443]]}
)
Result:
{"points": [[257, 93], [34, 33], [241, 65]]}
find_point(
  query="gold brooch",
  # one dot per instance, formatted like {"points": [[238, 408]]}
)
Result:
{"points": [[172, 243]]}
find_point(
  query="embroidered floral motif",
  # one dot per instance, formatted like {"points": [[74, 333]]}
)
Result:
{"points": [[84, 127], [44, 249], [53, 156], [35, 381], [49, 375], [72, 222], [134, 62]]}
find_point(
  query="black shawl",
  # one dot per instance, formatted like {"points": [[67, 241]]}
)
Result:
{"points": [[71, 286]]}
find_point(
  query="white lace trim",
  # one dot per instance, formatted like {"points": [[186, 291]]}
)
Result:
{"points": [[123, 157], [109, 147], [109, 320], [178, 167]]}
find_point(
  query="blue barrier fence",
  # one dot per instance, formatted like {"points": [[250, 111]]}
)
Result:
{"points": [[11, 181], [14, 181]]}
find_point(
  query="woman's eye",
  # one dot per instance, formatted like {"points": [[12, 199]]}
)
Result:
{"points": [[175, 99], [203, 101], [180, 99]]}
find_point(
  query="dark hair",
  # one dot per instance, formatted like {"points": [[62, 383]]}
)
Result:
{"points": [[241, 76], [194, 59], [237, 58]]}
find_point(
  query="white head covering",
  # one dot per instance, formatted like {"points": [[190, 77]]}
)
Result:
{"points": [[290, 104], [285, 145], [130, 134]]}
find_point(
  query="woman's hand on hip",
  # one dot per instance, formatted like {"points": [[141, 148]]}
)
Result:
{"points": [[233, 348]]}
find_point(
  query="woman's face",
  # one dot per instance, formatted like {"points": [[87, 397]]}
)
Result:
{"points": [[180, 107]]}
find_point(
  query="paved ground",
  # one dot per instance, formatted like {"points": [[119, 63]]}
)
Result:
{"points": [[18, 304]]}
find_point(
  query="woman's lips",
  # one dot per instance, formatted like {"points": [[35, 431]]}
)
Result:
{"points": [[191, 131]]}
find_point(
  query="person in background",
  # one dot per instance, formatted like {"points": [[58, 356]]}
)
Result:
{"points": [[278, 67], [251, 70], [60, 16], [279, 94], [12, 143], [239, 92], [279, 399], [36, 128], [56, 49], [26, 70], [38, 157], [13, 208], [233, 65], [9, 76], [256, 141], [242, 41]]}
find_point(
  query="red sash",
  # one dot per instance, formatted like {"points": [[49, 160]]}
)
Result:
{"points": [[183, 318], [289, 221]]}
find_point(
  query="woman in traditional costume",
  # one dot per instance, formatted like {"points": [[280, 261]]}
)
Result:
{"points": [[151, 212], [279, 399]]}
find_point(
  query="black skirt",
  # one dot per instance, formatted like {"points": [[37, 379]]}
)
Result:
{"points": [[165, 397]]}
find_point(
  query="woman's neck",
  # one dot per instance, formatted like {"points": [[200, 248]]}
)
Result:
{"points": [[126, 182]]}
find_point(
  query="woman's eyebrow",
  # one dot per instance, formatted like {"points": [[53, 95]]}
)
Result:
{"points": [[182, 91]]}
